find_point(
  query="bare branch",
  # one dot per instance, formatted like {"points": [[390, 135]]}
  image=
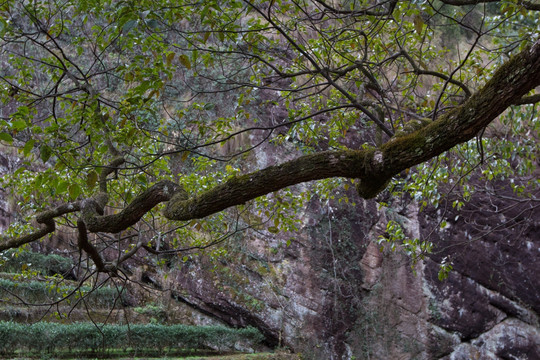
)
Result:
{"points": [[445, 77]]}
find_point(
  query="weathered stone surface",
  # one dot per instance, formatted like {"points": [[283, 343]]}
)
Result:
{"points": [[278, 291], [333, 295], [510, 339], [371, 264]]}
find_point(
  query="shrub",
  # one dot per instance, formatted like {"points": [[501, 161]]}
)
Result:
{"points": [[49, 337], [14, 261], [50, 291]]}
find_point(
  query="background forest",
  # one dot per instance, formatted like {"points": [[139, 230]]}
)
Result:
{"points": [[343, 179]]}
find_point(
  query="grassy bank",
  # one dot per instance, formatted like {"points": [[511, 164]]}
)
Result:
{"points": [[257, 356], [106, 341]]}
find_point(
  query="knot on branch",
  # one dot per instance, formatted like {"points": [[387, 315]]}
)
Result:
{"points": [[91, 208], [368, 188], [110, 168], [43, 217], [174, 209]]}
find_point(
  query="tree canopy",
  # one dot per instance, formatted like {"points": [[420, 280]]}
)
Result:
{"points": [[141, 114]]}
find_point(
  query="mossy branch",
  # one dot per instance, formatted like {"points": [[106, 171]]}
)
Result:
{"points": [[47, 226], [373, 167], [132, 213]]}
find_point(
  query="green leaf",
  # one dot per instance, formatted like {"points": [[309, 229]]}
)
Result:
{"points": [[170, 58], [206, 36], [45, 152], [62, 187], [142, 179], [152, 23], [184, 60], [74, 191], [19, 171], [91, 179], [6, 137], [441, 275], [418, 23], [28, 146], [204, 12], [129, 25], [273, 229], [18, 125]]}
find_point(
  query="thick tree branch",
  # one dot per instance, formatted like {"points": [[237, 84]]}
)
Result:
{"points": [[375, 167], [47, 228], [533, 99], [156, 194], [92, 218], [46, 219], [238, 190]]}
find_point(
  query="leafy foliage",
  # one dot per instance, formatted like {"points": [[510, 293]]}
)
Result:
{"points": [[45, 337], [395, 238], [117, 107], [52, 264], [50, 292]]}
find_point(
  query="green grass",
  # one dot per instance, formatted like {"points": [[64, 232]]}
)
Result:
{"points": [[257, 356]]}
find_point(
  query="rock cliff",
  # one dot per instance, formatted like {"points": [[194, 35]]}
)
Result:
{"points": [[329, 292], [333, 294]]}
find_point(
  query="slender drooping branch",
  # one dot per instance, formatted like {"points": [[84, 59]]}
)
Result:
{"points": [[84, 244], [417, 70]]}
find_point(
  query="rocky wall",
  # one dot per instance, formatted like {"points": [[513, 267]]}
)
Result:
{"points": [[333, 294]]}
